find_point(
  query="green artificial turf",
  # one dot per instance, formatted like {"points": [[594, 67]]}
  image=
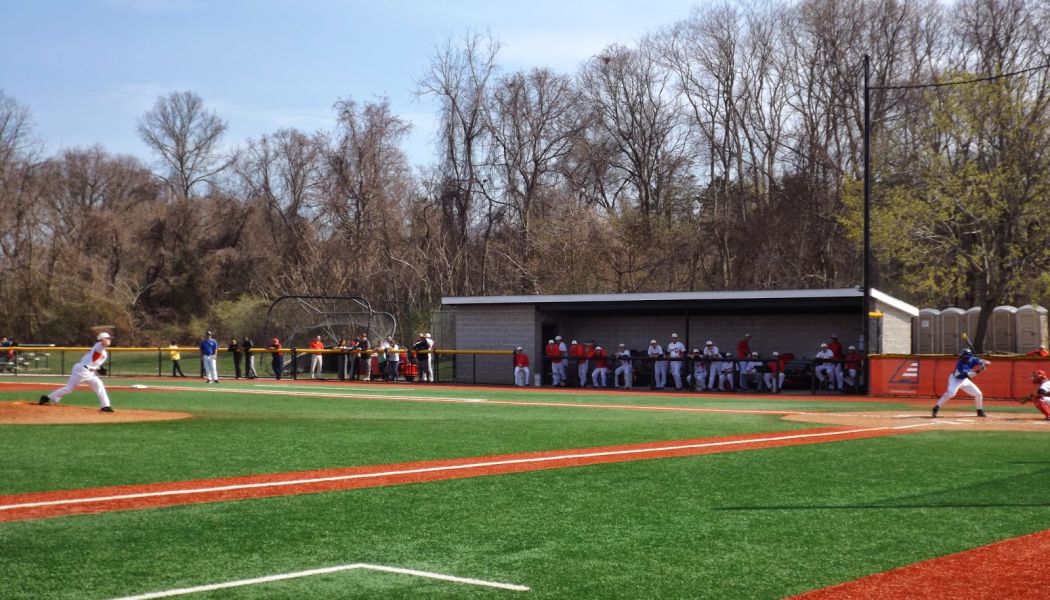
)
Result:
{"points": [[755, 524]]}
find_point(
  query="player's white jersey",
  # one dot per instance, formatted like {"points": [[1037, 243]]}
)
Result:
{"points": [[95, 357]]}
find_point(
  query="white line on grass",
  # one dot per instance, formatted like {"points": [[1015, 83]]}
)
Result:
{"points": [[450, 468], [325, 571]]}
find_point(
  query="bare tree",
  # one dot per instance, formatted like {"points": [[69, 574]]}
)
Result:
{"points": [[186, 136]]}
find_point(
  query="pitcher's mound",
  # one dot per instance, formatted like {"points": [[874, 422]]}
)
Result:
{"points": [[31, 413], [949, 420]]}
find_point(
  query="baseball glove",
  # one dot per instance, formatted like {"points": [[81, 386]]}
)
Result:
{"points": [[102, 371]]}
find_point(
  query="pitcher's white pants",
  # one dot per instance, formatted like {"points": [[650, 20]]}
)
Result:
{"points": [[82, 374]]}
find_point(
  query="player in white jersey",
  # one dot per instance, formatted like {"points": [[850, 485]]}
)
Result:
{"points": [[86, 371], [676, 352], [656, 353]]}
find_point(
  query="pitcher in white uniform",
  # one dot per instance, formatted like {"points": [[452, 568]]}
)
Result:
{"points": [[86, 371]]}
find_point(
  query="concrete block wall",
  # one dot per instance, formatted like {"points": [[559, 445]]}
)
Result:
{"points": [[496, 327]]}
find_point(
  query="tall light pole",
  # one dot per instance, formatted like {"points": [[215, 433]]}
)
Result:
{"points": [[866, 300]]}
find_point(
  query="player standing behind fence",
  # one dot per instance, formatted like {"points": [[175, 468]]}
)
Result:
{"points": [[275, 355], [316, 359], [249, 357], [208, 349], [86, 371], [625, 366], [600, 376], [969, 365], [676, 352], [422, 357]]}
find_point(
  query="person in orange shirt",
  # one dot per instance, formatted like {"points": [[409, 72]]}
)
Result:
{"points": [[1041, 351], [316, 359], [521, 367]]}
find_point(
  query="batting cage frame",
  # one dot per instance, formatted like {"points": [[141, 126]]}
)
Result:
{"points": [[295, 319]]}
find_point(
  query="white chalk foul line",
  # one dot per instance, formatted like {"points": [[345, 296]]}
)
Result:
{"points": [[449, 468], [325, 571]]}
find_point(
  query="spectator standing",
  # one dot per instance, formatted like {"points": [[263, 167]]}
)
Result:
{"points": [[600, 376], [393, 358], [249, 357], [657, 356], [277, 362], [176, 358], [521, 367], [209, 349], [316, 358], [676, 354], [420, 349], [364, 357], [235, 350], [624, 366], [430, 356]]}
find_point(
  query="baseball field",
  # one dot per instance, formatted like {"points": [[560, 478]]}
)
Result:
{"points": [[264, 489]]}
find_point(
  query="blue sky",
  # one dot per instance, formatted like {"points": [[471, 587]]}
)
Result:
{"points": [[88, 69]]}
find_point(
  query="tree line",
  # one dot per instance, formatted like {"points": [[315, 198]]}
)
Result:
{"points": [[720, 152]]}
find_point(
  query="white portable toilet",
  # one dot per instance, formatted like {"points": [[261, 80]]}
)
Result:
{"points": [[1003, 330], [953, 324], [973, 315], [926, 332], [1031, 328]]}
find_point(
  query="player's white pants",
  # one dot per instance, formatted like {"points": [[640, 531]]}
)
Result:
{"points": [[676, 373], [558, 373], [660, 373], [850, 377], [599, 377], [826, 372], [581, 370], [316, 361], [770, 381], [81, 374], [699, 377], [839, 377], [521, 376], [211, 371], [955, 384], [626, 370], [712, 376]]}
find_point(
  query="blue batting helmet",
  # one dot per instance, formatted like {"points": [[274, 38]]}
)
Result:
{"points": [[966, 352]]}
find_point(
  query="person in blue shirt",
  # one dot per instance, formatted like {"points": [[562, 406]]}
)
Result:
{"points": [[209, 347], [968, 366]]}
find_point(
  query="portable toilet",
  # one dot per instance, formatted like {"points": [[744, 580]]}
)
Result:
{"points": [[953, 324], [1003, 330], [1031, 328], [973, 315], [926, 332]]}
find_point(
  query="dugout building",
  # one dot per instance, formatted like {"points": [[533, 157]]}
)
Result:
{"points": [[795, 321]]}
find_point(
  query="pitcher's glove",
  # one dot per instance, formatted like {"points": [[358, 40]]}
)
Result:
{"points": [[102, 371]]}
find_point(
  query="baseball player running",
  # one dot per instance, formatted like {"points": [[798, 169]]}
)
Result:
{"points": [[86, 371], [969, 366]]}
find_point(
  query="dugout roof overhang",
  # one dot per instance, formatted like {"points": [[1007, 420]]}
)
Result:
{"points": [[839, 301]]}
